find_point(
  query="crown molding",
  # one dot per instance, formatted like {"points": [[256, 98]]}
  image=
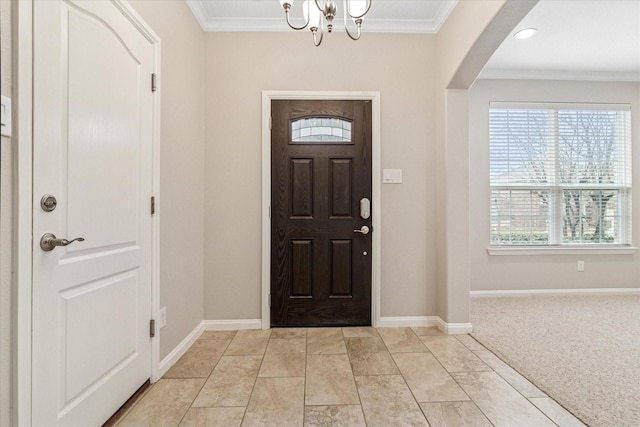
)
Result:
{"points": [[596, 76], [198, 11], [407, 26]]}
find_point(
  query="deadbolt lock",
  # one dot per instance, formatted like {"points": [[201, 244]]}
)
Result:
{"points": [[48, 203]]}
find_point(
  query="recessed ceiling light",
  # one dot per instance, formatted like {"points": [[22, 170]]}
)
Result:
{"points": [[525, 34]]}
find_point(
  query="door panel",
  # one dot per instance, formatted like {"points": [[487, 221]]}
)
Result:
{"points": [[302, 188], [301, 268], [93, 333], [92, 151], [321, 168], [341, 200], [104, 85]]}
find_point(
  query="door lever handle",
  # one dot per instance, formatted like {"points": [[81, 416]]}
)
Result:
{"points": [[364, 230], [49, 241]]}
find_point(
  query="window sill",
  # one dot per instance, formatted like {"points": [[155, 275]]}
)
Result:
{"points": [[562, 250]]}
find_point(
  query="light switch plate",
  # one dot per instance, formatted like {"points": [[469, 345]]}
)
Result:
{"points": [[5, 116], [392, 176]]}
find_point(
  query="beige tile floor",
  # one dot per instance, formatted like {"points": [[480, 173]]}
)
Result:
{"points": [[342, 377]]}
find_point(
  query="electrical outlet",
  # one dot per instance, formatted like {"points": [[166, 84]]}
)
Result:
{"points": [[580, 265], [163, 317]]}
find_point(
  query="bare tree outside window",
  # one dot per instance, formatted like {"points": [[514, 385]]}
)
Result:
{"points": [[586, 157]]}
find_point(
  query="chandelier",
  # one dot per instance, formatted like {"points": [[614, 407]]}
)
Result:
{"points": [[319, 14]]}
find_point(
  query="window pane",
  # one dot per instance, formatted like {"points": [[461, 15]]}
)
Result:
{"points": [[590, 216], [519, 146], [321, 129], [588, 147], [519, 217]]}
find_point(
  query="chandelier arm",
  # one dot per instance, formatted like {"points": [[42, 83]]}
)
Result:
{"points": [[328, 12], [358, 23], [349, 32], [314, 30], [317, 42], [286, 13], [346, 10]]}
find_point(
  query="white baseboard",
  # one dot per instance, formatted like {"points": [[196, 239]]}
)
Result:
{"points": [[428, 321], [554, 292], [407, 321], [232, 325], [454, 328], [180, 349]]}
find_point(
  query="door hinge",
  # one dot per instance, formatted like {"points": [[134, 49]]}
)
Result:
{"points": [[152, 328], [270, 123], [269, 300], [154, 86], [153, 205]]}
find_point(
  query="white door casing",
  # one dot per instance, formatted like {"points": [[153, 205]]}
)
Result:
{"points": [[93, 133], [376, 173]]}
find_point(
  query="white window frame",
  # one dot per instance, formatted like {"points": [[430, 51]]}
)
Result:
{"points": [[555, 245]]}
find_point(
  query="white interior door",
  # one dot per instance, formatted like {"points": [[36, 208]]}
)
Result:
{"points": [[93, 113]]}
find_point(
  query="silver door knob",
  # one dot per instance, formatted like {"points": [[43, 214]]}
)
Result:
{"points": [[364, 230], [48, 242]]}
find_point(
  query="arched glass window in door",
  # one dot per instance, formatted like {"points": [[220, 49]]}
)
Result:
{"points": [[329, 130]]}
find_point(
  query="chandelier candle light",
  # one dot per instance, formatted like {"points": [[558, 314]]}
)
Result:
{"points": [[320, 13]]}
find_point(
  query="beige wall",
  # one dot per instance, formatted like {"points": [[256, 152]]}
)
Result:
{"points": [[464, 43], [181, 166], [6, 238], [549, 271], [460, 32], [239, 66]]}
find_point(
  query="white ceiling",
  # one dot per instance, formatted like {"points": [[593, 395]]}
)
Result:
{"points": [[577, 39]]}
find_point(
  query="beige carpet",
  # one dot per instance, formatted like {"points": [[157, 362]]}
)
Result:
{"points": [[583, 351]]}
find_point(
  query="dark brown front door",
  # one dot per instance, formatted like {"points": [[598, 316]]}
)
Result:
{"points": [[321, 171]]}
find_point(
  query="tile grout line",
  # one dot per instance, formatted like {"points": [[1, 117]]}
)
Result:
{"points": [[255, 381], [344, 341], [402, 375], [404, 379], [438, 361], [459, 385], [206, 379]]}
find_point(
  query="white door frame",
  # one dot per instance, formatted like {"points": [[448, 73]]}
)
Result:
{"points": [[22, 19], [267, 97]]}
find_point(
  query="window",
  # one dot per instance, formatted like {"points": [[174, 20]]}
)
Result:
{"points": [[560, 174], [321, 129]]}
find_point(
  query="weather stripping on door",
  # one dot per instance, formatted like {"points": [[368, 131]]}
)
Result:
{"points": [[48, 242]]}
